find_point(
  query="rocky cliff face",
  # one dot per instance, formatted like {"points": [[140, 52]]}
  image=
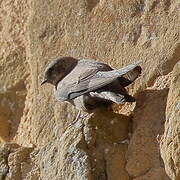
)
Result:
{"points": [[38, 135]]}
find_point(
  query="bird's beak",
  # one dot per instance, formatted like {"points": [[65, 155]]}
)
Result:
{"points": [[45, 81]]}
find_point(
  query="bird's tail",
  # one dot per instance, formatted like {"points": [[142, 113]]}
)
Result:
{"points": [[129, 98], [130, 76]]}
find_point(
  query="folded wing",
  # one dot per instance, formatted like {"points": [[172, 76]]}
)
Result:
{"points": [[91, 77]]}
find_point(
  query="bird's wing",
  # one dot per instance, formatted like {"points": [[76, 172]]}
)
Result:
{"points": [[78, 82], [89, 79], [119, 72]]}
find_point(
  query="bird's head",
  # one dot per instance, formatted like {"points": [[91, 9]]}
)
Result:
{"points": [[58, 69]]}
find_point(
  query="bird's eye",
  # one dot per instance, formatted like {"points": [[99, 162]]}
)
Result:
{"points": [[50, 71]]}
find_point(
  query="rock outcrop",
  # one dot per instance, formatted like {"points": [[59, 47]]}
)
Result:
{"points": [[38, 136], [170, 140]]}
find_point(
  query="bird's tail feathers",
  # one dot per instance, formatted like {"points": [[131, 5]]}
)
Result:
{"points": [[129, 98], [130, 76]]}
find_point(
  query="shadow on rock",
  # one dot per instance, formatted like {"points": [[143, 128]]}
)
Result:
{"points": [[90, 148], [143, 156], [106, 139]]}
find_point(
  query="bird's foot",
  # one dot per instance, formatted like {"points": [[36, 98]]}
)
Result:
{"points": [[80, 116]]}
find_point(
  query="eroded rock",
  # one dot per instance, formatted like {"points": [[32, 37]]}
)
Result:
{"points": [[170, 140], [115, 32]]}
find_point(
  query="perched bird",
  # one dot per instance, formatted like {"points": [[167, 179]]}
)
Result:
{"points": [[88, 84]]}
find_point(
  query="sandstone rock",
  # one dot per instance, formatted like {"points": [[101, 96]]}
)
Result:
{"points": [[4, 152], [148, 122], [155, 174], [13, 66], [15, 162], [170, 140], [89, 149], [34, 32]]}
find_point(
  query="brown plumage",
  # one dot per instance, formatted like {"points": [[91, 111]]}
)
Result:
{"points": [[89, 84]]}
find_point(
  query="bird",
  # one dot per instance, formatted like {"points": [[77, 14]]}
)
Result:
{"points": [[89, 84]]}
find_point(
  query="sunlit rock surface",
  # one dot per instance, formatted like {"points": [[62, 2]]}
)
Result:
{"points": [[38, 135]]}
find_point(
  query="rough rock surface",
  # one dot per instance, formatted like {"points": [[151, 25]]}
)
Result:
{"points": [[38, 136], [14, 68], [170, 148]]}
